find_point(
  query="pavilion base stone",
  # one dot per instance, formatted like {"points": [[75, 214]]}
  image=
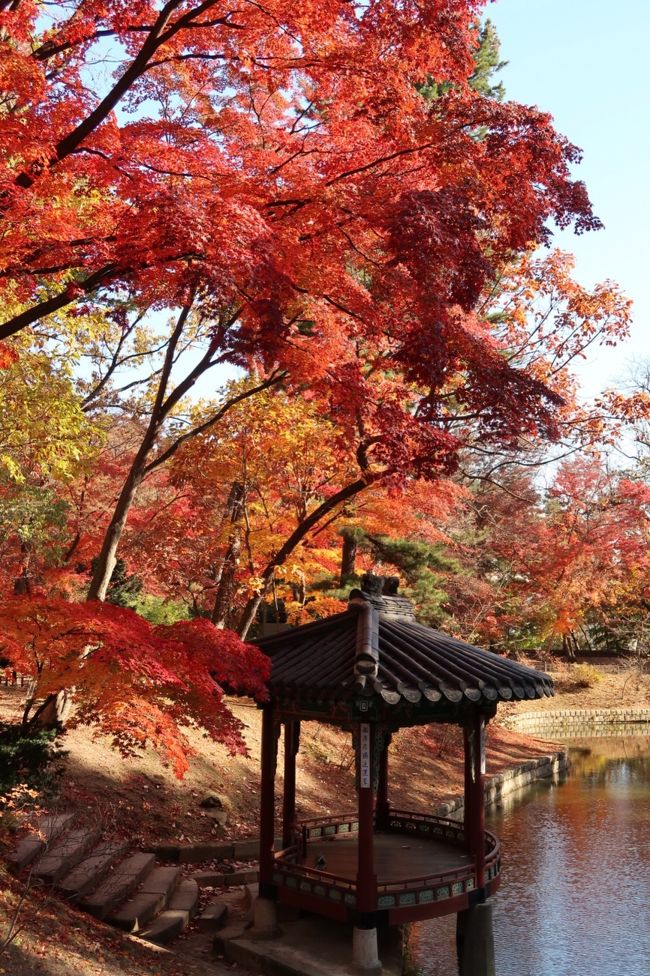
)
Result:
{"points": [[309, 946], [475, 941], [265, 918], [365, 952]]}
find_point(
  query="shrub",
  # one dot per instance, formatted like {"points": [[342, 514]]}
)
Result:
{"points": [[586, 675], [27, 757]]}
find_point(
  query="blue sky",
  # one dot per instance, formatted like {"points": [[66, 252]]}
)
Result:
{"points": [[586, 62]]}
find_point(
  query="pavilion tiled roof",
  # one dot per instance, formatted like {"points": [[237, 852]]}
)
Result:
{"points": [[377, 648]]}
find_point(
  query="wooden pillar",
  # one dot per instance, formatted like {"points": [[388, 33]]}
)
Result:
{"points": [[468, 783], [364, 937], [291, 746], [267, 798], [474, 813], [474, 934], [383, 804], [366, 877]]}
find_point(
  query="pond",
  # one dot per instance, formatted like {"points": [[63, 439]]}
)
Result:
{"points": [[575, 892]]}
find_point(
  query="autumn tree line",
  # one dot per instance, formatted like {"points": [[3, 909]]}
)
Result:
{"points": [[280, 304]]}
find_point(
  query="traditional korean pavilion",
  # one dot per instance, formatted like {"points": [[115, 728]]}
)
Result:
{"points": [[373, 670]]}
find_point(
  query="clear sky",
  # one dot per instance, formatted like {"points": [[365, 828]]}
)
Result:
{"points": [[587, 63]]}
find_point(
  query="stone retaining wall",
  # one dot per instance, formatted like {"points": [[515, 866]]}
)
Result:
{"points": [[576, 722], [502, 785]]}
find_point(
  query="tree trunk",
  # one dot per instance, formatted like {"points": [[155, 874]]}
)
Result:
{"points": [[55, 711], [108, 556], [72, 548], [52, 712], [226, 577], [249, 614], [226, 589], [348, 557], [569, 646], [299, 591], [23, 583]]}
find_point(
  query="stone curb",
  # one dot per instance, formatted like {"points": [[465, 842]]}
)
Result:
{"points": [[578, 720], [510, 781], [241, 850]]}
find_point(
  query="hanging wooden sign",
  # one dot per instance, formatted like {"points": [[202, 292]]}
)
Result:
{"points": [[364, 756]]}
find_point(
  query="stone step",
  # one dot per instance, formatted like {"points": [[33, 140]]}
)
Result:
{"points": [[182, 908], [133, 914], [66, 853], [234, 930], [216, 879], [91, 870], [119, 885], [166, 927], [213, 916], [240, 850], [185, 898], [46, 829], [153, 897]]}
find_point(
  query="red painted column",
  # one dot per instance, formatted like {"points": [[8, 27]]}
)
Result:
{"points": [[267, 798], [382, 803], [468, 798], [291, 745], [366, 877], [478, 805]]}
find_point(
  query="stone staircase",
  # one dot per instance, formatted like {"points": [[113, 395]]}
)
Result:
{"points": [[131, 891]]}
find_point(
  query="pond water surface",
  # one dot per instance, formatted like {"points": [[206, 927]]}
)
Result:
{"points": [[575, 891]]}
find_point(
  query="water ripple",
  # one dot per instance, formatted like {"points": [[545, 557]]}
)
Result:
{"points": [[575, 894]]}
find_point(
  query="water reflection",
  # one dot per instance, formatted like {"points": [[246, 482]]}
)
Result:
{"points": [[575, 892]]}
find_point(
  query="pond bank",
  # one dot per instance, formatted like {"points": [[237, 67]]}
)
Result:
{"points": [[579, 722], [512, 779]]}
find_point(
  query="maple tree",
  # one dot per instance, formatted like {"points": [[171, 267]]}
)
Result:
{"points": [[254, 480], [544, 320], [154, 449], [379, 435], [565, 567], [138, 683], [43, 430], [588, 558], [336, 199], [257, 151], [267, 491], [296, 178], [46, 441]]}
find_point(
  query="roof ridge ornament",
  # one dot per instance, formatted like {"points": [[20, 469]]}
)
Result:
{"points": [[381, 593]]}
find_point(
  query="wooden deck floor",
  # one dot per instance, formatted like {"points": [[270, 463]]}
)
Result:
{"points": [[397, 857]]}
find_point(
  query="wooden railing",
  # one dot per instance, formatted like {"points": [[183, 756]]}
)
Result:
{"points": [[288, 871], [421, 890]]}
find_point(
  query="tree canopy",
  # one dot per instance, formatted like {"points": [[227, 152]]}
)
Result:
{"points": [[337, 202]]}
